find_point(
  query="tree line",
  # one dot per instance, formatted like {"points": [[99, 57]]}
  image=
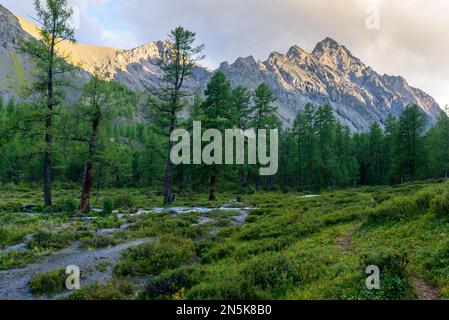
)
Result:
{"points": [[114, 137]]}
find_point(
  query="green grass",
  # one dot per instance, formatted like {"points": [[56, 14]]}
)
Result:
{"points": [[290, 248], [48, 283]]}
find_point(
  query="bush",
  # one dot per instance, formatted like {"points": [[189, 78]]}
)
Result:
{"points": [[251, 190], [68, 206], [395, 283], [107, 205], [123, 201], [99, 242], [271, 272], [4, 236], [114, 290], [424, 199], [51, 241], [48, 283], [15, 259], [394, 209], [169, 283], [440, 206], [225, 289], [156, 257]]}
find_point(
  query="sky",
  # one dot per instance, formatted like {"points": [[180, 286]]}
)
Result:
{"points": [[397, 37]]}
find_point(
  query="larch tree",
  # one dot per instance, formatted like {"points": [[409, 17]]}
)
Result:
{"points": [[217, 115], [177, 62], [53, 18], [263, 114], [409, 141]]}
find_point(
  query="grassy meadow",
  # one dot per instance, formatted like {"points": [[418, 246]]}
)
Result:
{"points": [[291, 246]]}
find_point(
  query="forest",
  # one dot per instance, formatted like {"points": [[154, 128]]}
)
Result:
{"points": [[103, 135]]}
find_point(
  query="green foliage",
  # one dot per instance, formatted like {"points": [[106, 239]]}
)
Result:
{"points": [[48, 283], [68, 206], [394, 209], [153, 258], [44, 240], [440, 205], [395, 281], [123, 201], [167, 284], [16, 259], [107, 205], [113, 290]]}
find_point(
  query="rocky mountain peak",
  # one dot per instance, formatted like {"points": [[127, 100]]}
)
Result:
{"points": [[330, 53], [297, 53]]}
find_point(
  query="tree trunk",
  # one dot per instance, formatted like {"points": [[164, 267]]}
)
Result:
{"points": [[48, 126], [213, 184], [84, 206], [168, 179], [88, 180], [242, 178], [48, 157]]}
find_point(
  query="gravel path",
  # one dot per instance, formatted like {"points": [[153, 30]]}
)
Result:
{"points": [[14, 283]]}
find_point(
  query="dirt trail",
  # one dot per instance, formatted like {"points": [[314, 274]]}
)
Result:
{"points": [[14, 283], [424, 291], [344, 243]]}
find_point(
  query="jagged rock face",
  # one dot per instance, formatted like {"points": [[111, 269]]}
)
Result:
{"points": [[138, 68], [330, 74], [14, 68]]}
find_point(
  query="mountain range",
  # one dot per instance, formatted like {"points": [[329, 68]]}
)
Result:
{"points": [[330, 74]]}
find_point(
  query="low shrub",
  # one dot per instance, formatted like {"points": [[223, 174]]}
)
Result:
{"points": [[271, 272], [394, 209], [168, 284], [155, 257], [48, 283], [440, 206], [225, 289], [68, 206], [395, 283], [123, 201], [107, 205], [424, 199], [113, 290], [16, 259], [100, 242], [44, 240]]}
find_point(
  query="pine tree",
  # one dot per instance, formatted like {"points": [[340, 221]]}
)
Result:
{"points": [[263, 114], [241, 108], [298, 133], [440, 144], [53, 19], [325, 132], [217, 115], [177, 63], [409, 149]]}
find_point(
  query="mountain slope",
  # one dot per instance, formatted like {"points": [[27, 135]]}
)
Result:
{"points": [[329, 74], [14, 68]]}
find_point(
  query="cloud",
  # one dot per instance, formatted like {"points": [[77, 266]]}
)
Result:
{"points": [[411, 40]]}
